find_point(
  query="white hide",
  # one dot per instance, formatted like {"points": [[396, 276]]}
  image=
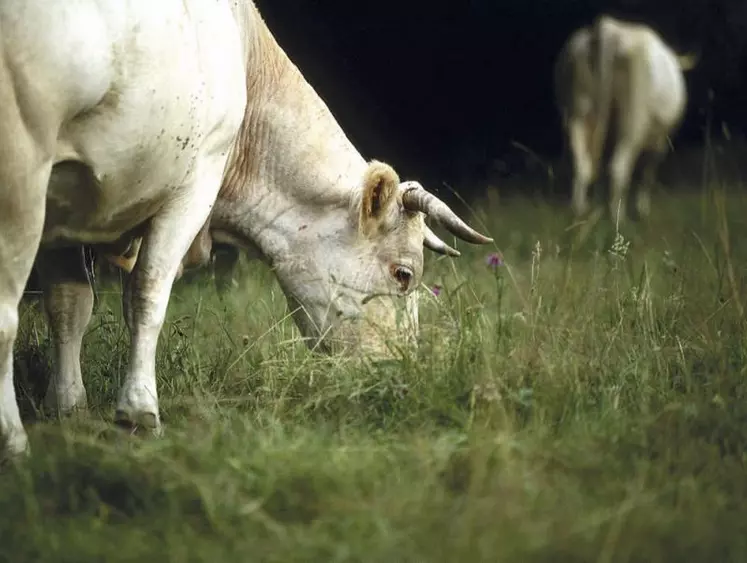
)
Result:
{"points": [[620, 74], [142, 100]]}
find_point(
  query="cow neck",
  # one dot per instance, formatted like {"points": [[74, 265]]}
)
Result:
{"points": [[291, 162]]}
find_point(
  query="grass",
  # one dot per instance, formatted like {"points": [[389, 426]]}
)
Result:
{"points": [[584, 401]]}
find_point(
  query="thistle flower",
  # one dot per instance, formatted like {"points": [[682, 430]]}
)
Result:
{"points": [[494, 260]]}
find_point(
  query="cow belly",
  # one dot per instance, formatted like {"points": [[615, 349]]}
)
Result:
{"points": [[80, 208], [99, 194], [107, 189]]}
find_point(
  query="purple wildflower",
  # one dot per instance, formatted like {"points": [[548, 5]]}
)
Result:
{"points": [[494, 260], [436, 290]]}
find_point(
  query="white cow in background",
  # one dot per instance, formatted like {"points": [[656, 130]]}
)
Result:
{"points": [[160, 126], [618, 83]]}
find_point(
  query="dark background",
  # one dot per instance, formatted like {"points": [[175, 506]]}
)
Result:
{"points": [[441, 89]]}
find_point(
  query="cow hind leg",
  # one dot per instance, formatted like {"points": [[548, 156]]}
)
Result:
{"points": [[24, 175], [640, 206], [224, 264], [68, 304], [621, 168], [583, 167], [148, 288], [650, 161]]}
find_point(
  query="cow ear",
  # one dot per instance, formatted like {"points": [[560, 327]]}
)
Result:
{"points": [[380, 183]]}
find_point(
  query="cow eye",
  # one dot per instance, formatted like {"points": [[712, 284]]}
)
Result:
{"points": [[403, 276]]}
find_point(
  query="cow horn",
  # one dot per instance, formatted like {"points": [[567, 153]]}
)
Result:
{"points": [[432, 242], [416, 198]]}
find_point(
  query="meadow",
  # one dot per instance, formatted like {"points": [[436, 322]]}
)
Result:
{"points": [[581, 398]]}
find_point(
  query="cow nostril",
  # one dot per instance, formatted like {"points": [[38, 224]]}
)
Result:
{"points": [[403, 276]]}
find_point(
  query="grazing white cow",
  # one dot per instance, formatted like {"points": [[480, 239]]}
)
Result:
{"points": [[172, 123], [619, 80]]}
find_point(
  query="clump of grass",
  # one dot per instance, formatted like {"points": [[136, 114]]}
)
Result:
{"points": [[570, 399]]}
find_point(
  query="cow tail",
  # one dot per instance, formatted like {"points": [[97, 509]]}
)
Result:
{"points": [[604, 52]]}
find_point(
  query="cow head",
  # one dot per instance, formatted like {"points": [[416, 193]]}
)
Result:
{"points": [[352, 276]]}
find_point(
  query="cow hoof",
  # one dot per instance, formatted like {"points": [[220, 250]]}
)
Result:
{"points": [[137, 409], [146, 423], [642, 208], [580, 209], [16, 448], [66, 405]]}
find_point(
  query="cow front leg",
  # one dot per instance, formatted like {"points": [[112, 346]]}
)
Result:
{"points": [[148, 288], [24, 175], [68, 304]]}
